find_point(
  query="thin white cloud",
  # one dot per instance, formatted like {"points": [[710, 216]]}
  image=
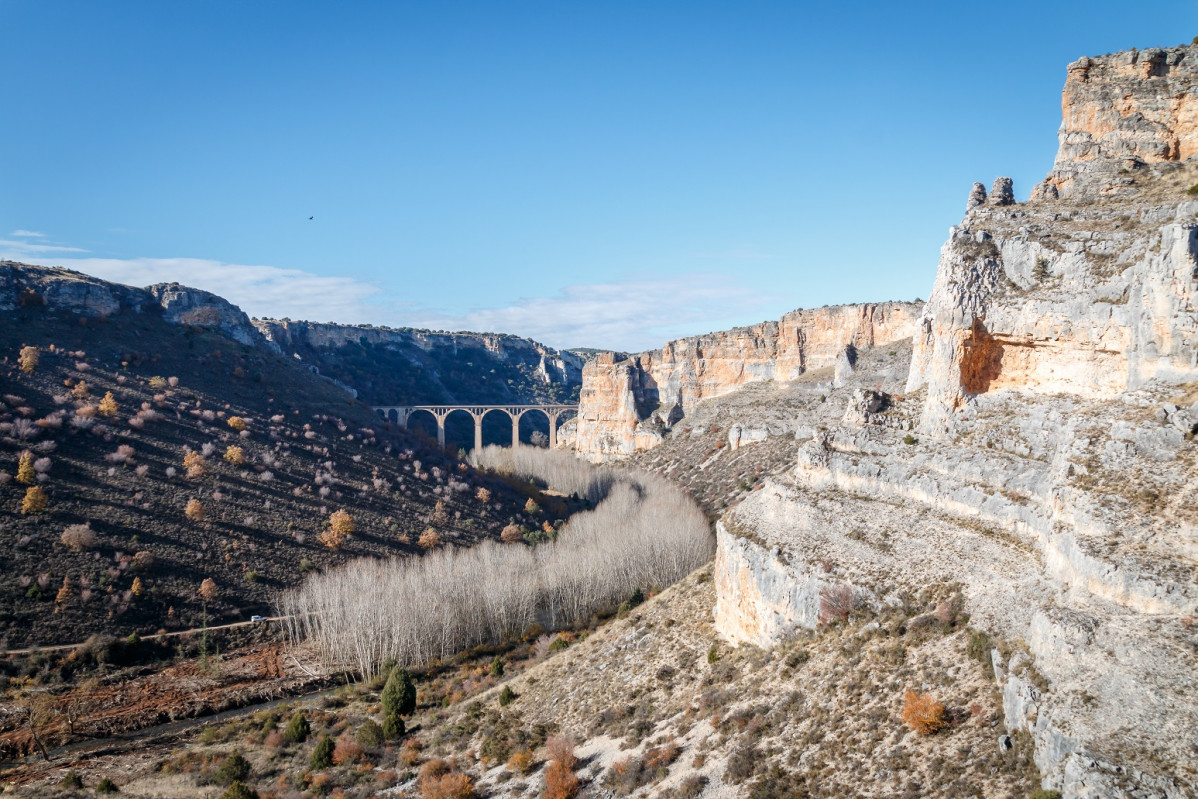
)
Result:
{"points": [[630, 315], [265, 291], [27, 234], [17, 250]]}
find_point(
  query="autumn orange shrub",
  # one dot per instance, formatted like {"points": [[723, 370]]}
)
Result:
{"points": [[511, 534], [409, 755], [237, 423], [65, 593], [661, 756], [560, 781], [195, 464], [429, 539], [520, 761], [339, 528], [194, 510], [35, 500], [29, 358], [25, 472], [208, 591], [347, 750], [923, 713], [235, 455], [439, 781], [482, 495], [108, 405]]}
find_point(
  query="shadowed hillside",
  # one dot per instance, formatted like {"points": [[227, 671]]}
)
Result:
{"points": [[114, 472]]}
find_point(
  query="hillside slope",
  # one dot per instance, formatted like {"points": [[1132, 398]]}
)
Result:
{"points": [[180, 365]]}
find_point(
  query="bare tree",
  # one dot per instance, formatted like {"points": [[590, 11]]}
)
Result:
{"points": [[644, 533]]}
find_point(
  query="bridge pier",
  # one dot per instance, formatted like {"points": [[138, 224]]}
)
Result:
{"points": [[515, 426]]}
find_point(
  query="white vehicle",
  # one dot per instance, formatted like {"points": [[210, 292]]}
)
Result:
{"points": [[257, 618]]}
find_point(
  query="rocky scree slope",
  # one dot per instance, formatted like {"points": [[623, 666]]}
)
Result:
{"points": [[660, 706], [180, 365], [1041, 456]]}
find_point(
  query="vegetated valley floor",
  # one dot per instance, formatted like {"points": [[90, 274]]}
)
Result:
{"points": [[658, 707]]}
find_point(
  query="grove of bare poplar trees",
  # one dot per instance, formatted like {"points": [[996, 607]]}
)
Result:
{"points": [[643, 533]]}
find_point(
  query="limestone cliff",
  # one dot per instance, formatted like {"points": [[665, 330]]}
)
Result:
{"points": [[626, 403], [74, 292], [1053, 388], [1120, 113], [1072, 295]]}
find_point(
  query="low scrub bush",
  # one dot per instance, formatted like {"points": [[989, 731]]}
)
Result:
{"points": [[235, 768], [322, 754], [79, 538], [239, 790], [923, 713], [298, 729], [370, 734], [347, 750]]}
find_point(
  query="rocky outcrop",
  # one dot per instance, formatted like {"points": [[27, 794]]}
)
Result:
{"points": [[1121, 112], [60, 289], [626, 404], [1063, 294], [1091, 300], [188, 306]]}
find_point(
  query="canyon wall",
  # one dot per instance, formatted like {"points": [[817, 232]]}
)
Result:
{"points": [[1053, 388], [555, 366], [625, 404], [388, 366]]}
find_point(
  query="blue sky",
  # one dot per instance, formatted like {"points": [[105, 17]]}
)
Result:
{"points": [[589, 174]]}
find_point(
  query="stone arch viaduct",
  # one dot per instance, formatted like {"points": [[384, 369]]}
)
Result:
{"points": [[402, 413]]}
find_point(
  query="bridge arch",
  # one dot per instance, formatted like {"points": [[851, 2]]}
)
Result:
{"points": [[401, 414]]}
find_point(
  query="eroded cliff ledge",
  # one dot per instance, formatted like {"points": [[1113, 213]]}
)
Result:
{"points": [[625, 404]]}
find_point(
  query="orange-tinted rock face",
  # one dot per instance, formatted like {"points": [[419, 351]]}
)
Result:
{"points": [[626, 404], [1121, 111], [1090, 288]]}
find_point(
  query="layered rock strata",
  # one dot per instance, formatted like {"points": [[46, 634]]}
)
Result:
{"points": [[1120, 113], [626, 403]]}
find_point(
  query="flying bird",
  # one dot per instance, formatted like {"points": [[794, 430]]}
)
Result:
{"points": [[311, 218]]}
